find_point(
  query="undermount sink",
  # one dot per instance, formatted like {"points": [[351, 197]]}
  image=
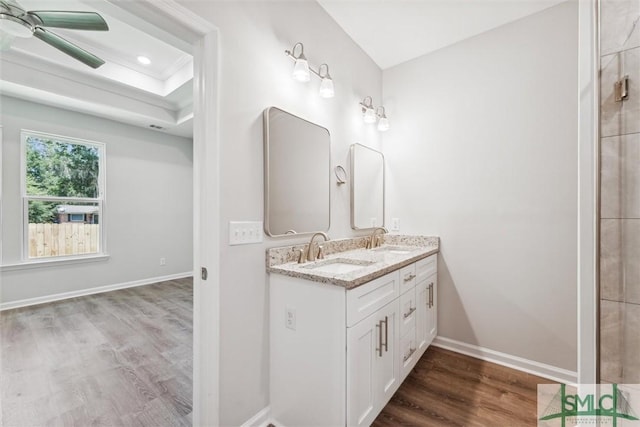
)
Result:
{"points": [[398, 250], [338, 265]]}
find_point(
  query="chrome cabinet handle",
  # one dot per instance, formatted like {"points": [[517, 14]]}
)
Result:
{"points": [[408, 356], [386, 333], [410, 277], [430, 294], [379, 348], [410, 312]]}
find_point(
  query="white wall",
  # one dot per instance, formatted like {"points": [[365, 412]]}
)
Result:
{"points": [[483, 152], [148, 203], [255, 74]]}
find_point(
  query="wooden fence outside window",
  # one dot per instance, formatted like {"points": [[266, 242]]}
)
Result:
{"points": [[69, 238]]}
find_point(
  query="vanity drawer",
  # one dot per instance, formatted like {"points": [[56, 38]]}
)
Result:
{"points": [[408, 353], [407, 311], [407, 278], [367, 299], [426, 267]]}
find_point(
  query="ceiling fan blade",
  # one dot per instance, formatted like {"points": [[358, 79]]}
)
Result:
{"points": [[67, 47], [71, 20]]}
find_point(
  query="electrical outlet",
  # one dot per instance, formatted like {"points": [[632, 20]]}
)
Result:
{"points": [[163, 261], [290, 318], [395, 224], [374, 221], [245, 232]]}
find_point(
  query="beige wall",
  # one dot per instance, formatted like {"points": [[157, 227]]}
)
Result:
{"points": [[620, 193], [483, 152]]}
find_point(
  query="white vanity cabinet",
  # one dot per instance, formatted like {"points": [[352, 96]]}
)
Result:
{"points": [[337, 356], [372, 365]]}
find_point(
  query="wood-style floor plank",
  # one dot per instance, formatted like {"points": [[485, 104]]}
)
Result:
{"points": [[122, 358], [451, 389]]}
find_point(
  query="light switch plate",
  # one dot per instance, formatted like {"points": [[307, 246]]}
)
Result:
{"points": [[245, 232]]}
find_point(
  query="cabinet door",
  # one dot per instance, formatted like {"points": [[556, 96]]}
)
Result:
{"points": [[363, 342], [387, 369], [426, 312], [372, 364]]}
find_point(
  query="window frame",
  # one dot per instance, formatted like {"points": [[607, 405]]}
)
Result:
{"points": [[100, 200]]}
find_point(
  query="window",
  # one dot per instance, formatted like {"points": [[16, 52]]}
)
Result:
{"points": [[63, 194], [76, 217]]}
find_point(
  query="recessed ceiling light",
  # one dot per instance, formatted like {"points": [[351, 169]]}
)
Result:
{"points": [[144, 60]]}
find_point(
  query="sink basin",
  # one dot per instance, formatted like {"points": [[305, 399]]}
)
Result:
{"points": [[398, 250], [338, 265]]}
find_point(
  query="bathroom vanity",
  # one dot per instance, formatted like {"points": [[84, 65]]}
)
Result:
{"points": [[346, 330]]}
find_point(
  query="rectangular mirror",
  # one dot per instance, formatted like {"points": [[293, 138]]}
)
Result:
{"points": [[367, 187], [297, 165]]}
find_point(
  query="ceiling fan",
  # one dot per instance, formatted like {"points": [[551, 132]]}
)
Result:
{"points": [[15, 21]]}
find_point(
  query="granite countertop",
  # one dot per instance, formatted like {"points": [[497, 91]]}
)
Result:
{"points": [[367, 264]]}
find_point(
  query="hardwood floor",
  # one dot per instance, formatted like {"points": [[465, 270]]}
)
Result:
{"points": [[121, 358], [451, 389]]}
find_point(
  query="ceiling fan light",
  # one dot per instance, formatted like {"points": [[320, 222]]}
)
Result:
{"points": [[14, 26]]}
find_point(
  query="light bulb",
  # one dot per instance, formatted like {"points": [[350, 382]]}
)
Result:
{"points": [[326, 88], [369, 115], [383, 124], [301, 70]]}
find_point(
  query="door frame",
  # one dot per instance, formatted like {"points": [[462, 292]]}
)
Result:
{"points": [[588, 193], [185, 25]]}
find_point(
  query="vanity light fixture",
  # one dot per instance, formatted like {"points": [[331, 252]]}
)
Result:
{"points": [[383, 122], [368, 111], [371, 114], [326, 84], [302, 71], [301, 66]]}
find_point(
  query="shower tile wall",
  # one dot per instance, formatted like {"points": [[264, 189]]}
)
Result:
{"points": [[620, 193]]}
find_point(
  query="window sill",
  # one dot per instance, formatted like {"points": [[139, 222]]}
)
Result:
{"points": [[53, 262]]}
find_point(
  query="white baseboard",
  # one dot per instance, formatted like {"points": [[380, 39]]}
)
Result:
{"points": [[261, 419], [536, 368], [90, 291]]}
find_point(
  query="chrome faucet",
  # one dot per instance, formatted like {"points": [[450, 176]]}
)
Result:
{"points": [[311, 254], [374, 240]]}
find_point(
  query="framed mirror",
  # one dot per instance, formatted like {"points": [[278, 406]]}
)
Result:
{"points": [[297, 174], [367, 187]]}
